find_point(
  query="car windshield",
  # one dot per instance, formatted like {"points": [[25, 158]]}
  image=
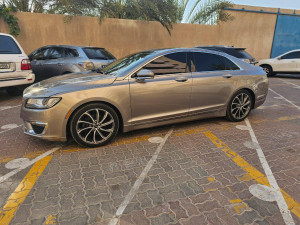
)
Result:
{"points": [[126, 64], [8, 45]]}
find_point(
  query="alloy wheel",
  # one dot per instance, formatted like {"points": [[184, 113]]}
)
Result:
{"points": [[95, 126], [240, 106], [267, 70]]}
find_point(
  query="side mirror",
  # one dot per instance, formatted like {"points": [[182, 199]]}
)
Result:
{"points": [[279, 58], [144, 74]]}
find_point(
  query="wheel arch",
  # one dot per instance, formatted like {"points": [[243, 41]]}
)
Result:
{"points": [[121, 122], [251, 93], [266, 64]]}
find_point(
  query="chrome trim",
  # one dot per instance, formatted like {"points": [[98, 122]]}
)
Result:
{"points": [[29, 130]]}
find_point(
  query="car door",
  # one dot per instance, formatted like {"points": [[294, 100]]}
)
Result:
{"points": [[167, 95], [38, 59], [287, 62], [53, 65], [213, 82]]}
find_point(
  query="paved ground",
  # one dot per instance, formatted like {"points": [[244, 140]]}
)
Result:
{"points": [[202, 173]]}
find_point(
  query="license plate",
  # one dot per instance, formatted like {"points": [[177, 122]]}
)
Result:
{"points": [[4, 65]]}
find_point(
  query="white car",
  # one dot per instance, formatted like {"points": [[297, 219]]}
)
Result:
{"points": [[286, 63], [15, 68]]}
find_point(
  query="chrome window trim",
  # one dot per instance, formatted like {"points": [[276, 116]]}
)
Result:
{"points": [[182, 50]]}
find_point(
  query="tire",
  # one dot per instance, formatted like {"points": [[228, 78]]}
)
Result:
{"points": [[94, 125], [14, 91], [268, 70], [239, 106]]}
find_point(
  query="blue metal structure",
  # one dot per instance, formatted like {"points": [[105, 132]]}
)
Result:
{"points": [[287, 35], [287, 31]]}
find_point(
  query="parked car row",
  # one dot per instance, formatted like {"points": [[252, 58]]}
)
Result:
{"points": [[56, 60], [17, 70]]}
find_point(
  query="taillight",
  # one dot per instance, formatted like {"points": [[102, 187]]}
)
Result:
{"points": [[87, 65], [25, 64]]}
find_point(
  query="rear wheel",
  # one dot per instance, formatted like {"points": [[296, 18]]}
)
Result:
{"points": [[94, 125], [268, 70], [239, 106]]}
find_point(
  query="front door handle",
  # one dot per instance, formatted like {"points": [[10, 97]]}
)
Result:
{"points": [[60, 64], [181, 79], [227, 76]]}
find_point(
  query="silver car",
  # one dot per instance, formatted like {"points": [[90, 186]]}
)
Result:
{"points": [[54, 60], [145, 89]]}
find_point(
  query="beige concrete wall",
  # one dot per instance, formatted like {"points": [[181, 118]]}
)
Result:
{"points": [[121, 37]]}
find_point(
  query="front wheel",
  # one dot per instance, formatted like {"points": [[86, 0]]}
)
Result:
{"points": [[268, 70], [94, 125], [239, 106]]}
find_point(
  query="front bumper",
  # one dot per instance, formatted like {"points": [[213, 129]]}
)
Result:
{"points": [[49, 124]]}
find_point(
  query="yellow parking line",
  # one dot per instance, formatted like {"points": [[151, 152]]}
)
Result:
{"points": [[50, 220], [252, 171], [21, 192]]}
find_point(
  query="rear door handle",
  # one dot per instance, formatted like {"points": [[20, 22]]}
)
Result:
{"points": [[227, 75], [181, 79], [60, 64]]}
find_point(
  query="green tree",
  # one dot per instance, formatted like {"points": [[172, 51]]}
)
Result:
{"points": [[162, 11], [11, 20], [36, 6], [203, 12]]}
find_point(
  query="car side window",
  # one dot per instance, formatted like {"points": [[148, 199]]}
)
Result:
{"points": [[207, 62], [292, 55], [173, 63], [40, 54], [229, 65], [70, 53], [56, 53]]}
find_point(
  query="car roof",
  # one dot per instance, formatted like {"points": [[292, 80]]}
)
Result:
{"points": [[5, 34], [70, 46], [220, 47], [163, 51]]}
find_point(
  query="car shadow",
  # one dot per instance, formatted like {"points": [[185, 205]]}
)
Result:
{"points": [[290, 76]]}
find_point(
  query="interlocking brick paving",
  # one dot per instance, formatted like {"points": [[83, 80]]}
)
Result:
{"points": [[191, 182]]}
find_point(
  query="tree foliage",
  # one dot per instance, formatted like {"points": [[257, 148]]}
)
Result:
{"points": [[10, 19], [204, 12], [167, 12], [36, 6]]}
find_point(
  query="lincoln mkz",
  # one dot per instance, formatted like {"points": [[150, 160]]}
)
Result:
{"points": [[145, 89]]}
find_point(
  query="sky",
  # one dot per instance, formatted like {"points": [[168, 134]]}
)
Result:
{"points": [[284, 4], [287, 4]]}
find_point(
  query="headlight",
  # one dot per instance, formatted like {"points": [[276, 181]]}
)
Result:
{"points": [[41, 103]]}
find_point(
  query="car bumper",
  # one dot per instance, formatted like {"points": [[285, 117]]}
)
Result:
{"points": [[260, 101], [49, 124], [9, 82]]}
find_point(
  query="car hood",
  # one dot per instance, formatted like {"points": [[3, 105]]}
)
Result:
{"points": [[68, 83]]}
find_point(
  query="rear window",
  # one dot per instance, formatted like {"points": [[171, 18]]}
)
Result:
{"points": [[98, 53], [8, 45]]}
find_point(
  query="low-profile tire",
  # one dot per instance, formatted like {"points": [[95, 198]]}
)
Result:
{"points": [[268, 70], [94, 125], [239, 106]]}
